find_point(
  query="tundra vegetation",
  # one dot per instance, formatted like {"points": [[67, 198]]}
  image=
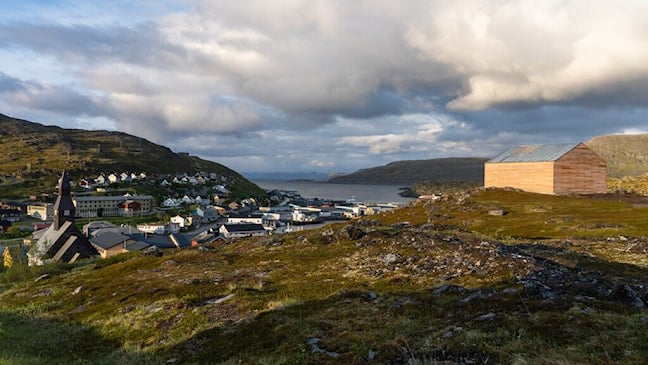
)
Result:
{"points": [[475, 277]]}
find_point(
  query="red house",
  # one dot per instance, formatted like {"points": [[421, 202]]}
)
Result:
{"points": [[130, 207]]}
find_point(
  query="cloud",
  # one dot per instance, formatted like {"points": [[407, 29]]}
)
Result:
{"points": [[319, 164], [301, 84], [530, 52], [44, 96]]}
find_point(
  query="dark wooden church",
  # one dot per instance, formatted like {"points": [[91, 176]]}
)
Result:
{"points": [[62, 241]]}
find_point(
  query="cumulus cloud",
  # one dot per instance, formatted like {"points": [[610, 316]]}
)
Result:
{"points": [[533, 52]]}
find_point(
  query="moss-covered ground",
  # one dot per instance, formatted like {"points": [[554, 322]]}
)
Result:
{"points": [[441, 282]]}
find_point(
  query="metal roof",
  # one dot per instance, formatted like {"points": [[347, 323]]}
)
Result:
{"points": [[244, 227], [534, 153], [137, 246], [111, 198], [109, 239]]}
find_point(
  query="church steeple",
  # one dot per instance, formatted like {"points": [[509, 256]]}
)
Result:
{"points": [[64, 209]]}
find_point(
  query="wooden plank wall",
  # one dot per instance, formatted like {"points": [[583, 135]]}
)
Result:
{"points": [[537, 177], [580, 171]]}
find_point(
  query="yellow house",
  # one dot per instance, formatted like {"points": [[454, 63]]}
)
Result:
{"points": [[42, 211], [548, 169]]}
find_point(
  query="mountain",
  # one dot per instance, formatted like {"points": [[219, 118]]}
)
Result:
{"points": [[626, 155], [32, 151], [460, 169]]}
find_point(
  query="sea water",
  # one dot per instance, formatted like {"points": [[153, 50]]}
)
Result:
{"points": [[358, 192]]}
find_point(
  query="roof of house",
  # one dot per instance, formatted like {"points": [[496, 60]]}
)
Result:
{"points": [[245, 215], [125, 230], [534, 153], [137, 246], [109, 240], [111, 198], [98, 224], [66, 244], [245, 227], [179, 240]]}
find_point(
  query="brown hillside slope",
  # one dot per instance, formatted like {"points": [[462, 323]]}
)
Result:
{"points": [[31, 151], [626, 155], [26, 145]]}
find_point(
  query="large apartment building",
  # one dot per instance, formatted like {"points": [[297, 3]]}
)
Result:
{"points": [[112, 206]]}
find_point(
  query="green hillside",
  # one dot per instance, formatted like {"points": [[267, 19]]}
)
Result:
{"points": [[34, 155], [554, 280], [626, 155], [465, 169]]}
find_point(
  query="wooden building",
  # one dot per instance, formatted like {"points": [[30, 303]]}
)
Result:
{"points": [[548, 169]]}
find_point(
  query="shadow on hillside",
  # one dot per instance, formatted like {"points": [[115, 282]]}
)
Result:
{"points": [[553, 307], [29, 340]]}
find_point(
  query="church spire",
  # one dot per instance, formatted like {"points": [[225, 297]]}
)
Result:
{"points": [[64, 184], [64, 209]]}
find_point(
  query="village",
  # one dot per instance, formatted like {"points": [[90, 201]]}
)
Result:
{"points": [[197, 210]]}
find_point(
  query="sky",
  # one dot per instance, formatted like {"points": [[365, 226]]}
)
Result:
{"points": [[329, 86]]}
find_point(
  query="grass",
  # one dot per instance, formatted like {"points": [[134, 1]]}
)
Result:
{"points": [[264, 300], [530, 216]]}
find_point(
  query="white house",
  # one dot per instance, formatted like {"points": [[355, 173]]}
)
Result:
{"points": [[245, 218], [181, 221], [152, 228], [172, 227], [221, 189], [172, 203], [304, 216], [100, 180], [159, 228], [242, 230], [87, 183], [112, 178]]}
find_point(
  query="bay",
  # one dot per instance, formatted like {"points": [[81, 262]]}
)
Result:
{"points": [[359, 192]]}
